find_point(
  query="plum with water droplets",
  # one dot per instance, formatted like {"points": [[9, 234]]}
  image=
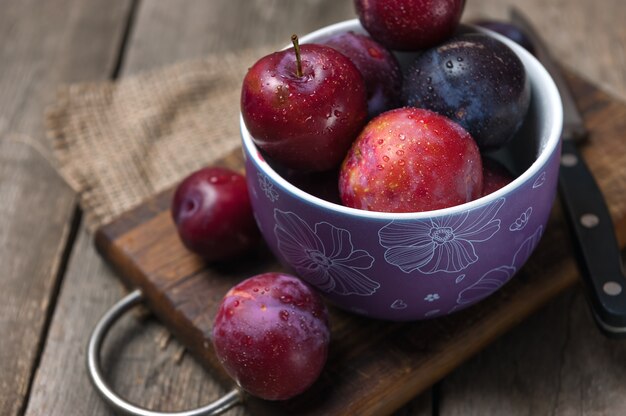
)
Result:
{"points": [[410, 160], [409, 25], [475, 80], [304, 106], [271, 334]]}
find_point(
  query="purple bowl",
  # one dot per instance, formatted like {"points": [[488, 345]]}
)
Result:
{"points": [[413, 266]]}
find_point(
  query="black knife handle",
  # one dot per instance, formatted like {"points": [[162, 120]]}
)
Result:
{"points": [[597, 250]]}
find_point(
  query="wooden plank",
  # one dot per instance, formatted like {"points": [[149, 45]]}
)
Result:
{"points": [[555, 363], [374, 366], [40, 48], [159, 378]]}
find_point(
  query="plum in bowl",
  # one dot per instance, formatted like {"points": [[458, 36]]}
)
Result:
{"points": [[412, 266]]}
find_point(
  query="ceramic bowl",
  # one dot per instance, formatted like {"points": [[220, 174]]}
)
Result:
{"points": [[413, 266]]}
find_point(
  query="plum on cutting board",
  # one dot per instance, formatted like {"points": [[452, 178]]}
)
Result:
{"points": [[271, 334], [213, 215]]}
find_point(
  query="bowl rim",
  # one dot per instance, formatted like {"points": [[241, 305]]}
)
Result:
{"points": [[547, 150]]}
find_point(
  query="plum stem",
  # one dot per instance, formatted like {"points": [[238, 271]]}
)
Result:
{"points": [[296, 47]]}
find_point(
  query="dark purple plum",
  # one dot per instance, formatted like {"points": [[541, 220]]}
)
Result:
{"points": [[475, 80], [509, 30], [271, 334], [213, 216], [379, 67], [409, 25]]}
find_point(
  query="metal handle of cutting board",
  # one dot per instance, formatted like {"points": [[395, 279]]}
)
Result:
{"points": [[94, 369]]}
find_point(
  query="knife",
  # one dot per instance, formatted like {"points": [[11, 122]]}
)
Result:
{"points": [[595, 244]]}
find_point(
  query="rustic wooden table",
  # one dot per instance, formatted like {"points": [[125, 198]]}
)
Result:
{"points": [[54, 286]]}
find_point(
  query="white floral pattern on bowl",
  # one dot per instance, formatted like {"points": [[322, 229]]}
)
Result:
{"points": [[441, 244], [325, 256]]}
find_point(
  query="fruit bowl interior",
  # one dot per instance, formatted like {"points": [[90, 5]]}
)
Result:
{"points": [[412, 266]]}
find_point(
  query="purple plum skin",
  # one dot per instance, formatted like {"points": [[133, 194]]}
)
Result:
{"points": [[304, 122], [475, 80], [213, 215], [410, 25], [379, 67], [271, 334]]}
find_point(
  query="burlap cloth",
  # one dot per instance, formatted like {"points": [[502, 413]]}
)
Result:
{"points": [[117, 143]]}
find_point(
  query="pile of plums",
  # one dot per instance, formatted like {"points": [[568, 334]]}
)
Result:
{"points": [[343, 111], [399, 142]]}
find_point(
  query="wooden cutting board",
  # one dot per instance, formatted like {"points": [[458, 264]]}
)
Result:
{"points": [[374, 367]]}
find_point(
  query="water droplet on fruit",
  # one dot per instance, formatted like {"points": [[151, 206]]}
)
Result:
{"points": [[449, 64], [386, 158], [337, 113], [256, 289], [381, 141], [459, 59], [401, 162], [374, 53], [429, 80], [380, 167], [400, 152], [284, 315], [236, 303]]}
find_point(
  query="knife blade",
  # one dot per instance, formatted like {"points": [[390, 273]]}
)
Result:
{"points": [[595, 244]]}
